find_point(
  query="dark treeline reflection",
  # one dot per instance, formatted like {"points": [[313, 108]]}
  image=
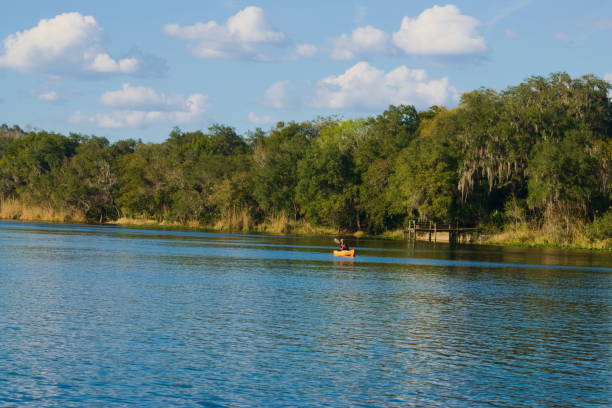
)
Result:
{"points": [[537, 155]]}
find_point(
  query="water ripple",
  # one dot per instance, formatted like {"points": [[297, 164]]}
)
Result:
{"points": [[95, 316]]}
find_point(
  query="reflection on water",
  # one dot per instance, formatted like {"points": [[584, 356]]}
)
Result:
{"points": [[109, 316]]}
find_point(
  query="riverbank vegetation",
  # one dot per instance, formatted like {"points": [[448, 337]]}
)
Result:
{"points": [[529, 165]]}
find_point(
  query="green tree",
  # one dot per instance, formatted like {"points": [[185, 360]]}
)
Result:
{"points": [[26, 160], [562, 178], [425, 177], [327, 186], [87, 182], [276, 159], [378, 141]]}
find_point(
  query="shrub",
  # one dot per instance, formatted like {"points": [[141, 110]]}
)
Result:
{"points": [[601, 228]]}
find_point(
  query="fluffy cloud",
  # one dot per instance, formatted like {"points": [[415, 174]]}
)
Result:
{"points": [[362, 41], [69, 43], [237, 38], [143, 106], [259, 119], [366, 87], [249, 25], [306, 50], [104, 63], [277, 96], [50, 96], [139, 97], [563, 37], [440, 30]]}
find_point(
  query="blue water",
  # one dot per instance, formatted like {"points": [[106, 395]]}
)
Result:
{"points": [[112, 317]]}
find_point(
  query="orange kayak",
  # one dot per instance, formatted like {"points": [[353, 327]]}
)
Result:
{"points": [[350, 252]]}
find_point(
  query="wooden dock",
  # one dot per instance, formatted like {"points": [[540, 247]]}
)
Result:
{"points": [[435, 232]]}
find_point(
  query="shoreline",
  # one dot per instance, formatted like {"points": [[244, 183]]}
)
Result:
{"points": [[308, 230]]}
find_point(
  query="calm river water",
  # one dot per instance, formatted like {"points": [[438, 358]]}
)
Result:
{"points": [[112, 317]]}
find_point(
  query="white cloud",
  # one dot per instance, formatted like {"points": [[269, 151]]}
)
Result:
{"points": [[176, 109], [563, 37], [366, 87], [436, 32], [259, 119], [362, 41], [104, 63], [306, 50], [277, 96], [139, 96], [69, 43], [608, 77], [50, 96], [237, 38], [440, 30], [249, 25]]}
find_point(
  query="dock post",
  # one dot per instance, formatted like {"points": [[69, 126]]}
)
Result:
{"points": [[411, 230]]}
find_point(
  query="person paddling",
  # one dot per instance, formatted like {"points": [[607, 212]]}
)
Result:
{"points": [[343, 249], [343, 246]]}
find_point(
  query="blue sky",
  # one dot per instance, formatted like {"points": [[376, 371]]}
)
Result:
{"points": [[135, 69]]}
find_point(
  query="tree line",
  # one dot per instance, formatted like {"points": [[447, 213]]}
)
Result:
{"points": [[538, 153]]}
